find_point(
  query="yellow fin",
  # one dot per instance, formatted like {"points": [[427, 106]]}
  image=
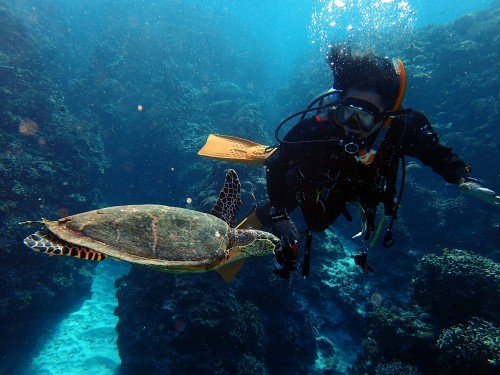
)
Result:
{"points": [[251, 221], [238, 150], [230, 270]]}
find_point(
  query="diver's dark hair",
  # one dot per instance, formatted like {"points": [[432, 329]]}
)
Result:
{"points": [[363, 71]]}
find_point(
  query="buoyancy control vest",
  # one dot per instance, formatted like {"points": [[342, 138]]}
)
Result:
{"points": [[325, 184]]}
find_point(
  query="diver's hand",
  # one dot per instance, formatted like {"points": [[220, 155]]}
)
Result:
{"points": [[473, 188], [285, 258]]}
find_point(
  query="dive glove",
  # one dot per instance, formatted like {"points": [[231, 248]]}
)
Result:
{"points": [[473, 188], [285, 259]]}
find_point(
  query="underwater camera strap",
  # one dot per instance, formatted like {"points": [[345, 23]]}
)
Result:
{"points": [[361, 259], [306, 266], [388, 241]]}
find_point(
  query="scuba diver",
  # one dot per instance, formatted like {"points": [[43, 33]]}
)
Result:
{"points": [[350, 152]]}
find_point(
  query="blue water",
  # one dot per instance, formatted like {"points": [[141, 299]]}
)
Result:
{"points": [[282, 30], [124, 92]]}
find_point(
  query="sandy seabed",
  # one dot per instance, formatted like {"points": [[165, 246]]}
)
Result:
{"points": [[85, 341]]}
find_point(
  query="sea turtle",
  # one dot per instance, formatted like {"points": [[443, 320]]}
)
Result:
{"points": [[170, 239]]}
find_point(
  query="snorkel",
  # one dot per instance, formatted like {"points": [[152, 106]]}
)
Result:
{"points": [[400, 70]]}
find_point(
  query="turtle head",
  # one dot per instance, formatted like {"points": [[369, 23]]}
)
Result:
{"points": [[245, 243], [248, 242]]}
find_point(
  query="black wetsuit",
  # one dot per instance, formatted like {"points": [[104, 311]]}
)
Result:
{"points": [[321, 177]]}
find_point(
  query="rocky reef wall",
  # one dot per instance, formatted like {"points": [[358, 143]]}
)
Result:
{"points": [[50, 166]]}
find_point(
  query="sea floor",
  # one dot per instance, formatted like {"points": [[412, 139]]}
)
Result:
{"points": [[85, 341]]}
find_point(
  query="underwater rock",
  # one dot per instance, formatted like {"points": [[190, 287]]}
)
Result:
{"points": [[401, 335], [249, 365], [248, 122]]}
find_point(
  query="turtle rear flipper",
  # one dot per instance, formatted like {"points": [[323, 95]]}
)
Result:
{"points": [[46, 242]]}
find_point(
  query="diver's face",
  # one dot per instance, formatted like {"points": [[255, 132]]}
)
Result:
{"points": [[360, 112]]}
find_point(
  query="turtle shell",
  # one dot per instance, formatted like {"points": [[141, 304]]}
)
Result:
{"points": [[151, 235]]}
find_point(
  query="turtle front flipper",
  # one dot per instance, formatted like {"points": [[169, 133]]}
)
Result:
{"points": [[246, 243], [48, 243]]}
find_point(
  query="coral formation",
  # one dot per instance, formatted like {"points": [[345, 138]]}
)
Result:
{"points": [[456, 286], [396, 368], [47, 155], [396, 335], [473, 347], [190, 323]]}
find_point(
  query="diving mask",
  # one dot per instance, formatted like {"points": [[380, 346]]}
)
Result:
{"points": [[359, 113]]}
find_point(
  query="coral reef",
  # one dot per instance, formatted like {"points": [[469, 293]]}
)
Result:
{"points": [[48, 157], [156, 119], [339, 273], [396, 335], [469, 348], [396, 368], [456, 286], [178, 324]]}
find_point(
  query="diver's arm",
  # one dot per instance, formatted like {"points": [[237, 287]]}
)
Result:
{"points": [[422, 142], [274, 212], [424, 145]]}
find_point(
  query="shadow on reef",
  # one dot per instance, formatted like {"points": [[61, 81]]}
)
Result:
{"points": [[49, 166]]}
